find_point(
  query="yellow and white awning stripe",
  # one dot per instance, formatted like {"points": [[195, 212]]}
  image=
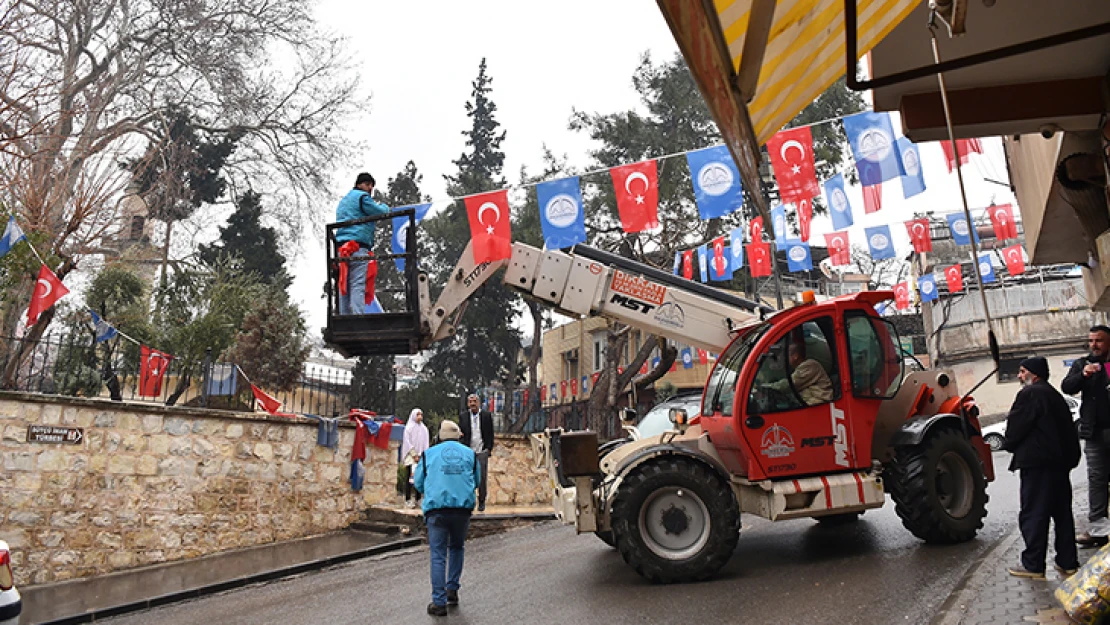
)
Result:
{"points": [[805, 50]]}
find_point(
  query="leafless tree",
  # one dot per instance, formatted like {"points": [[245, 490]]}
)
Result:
{"points": [[884, 273]]}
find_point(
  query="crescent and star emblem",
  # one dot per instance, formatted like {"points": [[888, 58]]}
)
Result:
{"points": [[47, 287], [918, 229], [786, 146], [489, 206], [639, 175], [1014, 256]]}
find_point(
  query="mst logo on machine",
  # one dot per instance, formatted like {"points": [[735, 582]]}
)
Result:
{"points": [[636, 293]]}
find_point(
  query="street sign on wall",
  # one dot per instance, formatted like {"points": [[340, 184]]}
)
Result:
{"points": [[54, 434]]}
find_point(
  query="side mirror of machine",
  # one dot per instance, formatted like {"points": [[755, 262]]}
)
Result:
{"points": [[678, 416], [628, 415]]}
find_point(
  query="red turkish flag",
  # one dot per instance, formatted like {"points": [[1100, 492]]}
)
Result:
{"points": [[637, 190], [1015, 260], [840, 251], [872, 198], [791, 154], [703, 356], [919, 235], [759, 259], [756, 229], [490, 237], [574, 386], [955, 277], [688, 264], [48, 290], [644, 368], [543, 393], [805, 215], [1002, 218], [269, 404], [719, 261], [563, 388], [965, 146], [902, 295], [152, 368]]}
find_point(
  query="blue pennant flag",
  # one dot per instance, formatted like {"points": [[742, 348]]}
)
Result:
{"points": [[927, 286], [585, 384], [839, 206], [654, 362], [721, 271], [104, 330], [913, 181], [687, 358], [12, 234], [561, 214], [553, 394], [736, 244], [400, 232], [778, 222], [986, 269], [703, 262], [678, 263], [873, 146], [798, 257], [716, 182], [880, 243], [961, 234], [223, 379]]}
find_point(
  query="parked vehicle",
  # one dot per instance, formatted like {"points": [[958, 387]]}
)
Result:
{"points": [[995, 435], [11, 605]]}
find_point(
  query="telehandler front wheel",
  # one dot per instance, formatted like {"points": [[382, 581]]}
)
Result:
{"points": [[938, 487], [675, 520]]}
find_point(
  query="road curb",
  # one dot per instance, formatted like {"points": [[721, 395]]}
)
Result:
{"points": [[246, 580], [965, 591]]}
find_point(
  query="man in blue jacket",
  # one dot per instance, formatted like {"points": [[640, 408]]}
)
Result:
{"points": [[357, 241], [447, 475]]}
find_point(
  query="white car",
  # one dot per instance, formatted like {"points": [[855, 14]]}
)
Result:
{"points": [[11, 605], [995, 435]]}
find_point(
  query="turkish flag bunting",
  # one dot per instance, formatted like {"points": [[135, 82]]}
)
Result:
{"points": [[919, 235], [490, 236], [543, 393], [574, 386], [48, 290], [872, 198], [152, 368], [637, 190], [840, 251], [268, 403], [1002, 218], [1015, 260], [902, 295], [965, 146], [688, 264], [955, 277], [805, 215], [756, 228], [644, 368], [703, 356], [563, 388], [791, 154], [759, 259], [593, 378], [719, 261]]}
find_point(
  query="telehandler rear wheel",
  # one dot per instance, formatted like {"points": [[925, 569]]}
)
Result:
{"points": [[606, 537], [675, 520], [938, 487]]}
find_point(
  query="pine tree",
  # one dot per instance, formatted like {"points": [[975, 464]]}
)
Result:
{"points": [[253, 246]]}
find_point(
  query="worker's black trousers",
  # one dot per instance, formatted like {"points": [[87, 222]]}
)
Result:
{"points": [[1046, 496]]}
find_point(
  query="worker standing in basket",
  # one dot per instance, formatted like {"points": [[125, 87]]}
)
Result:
{"points": [[356, 278]]}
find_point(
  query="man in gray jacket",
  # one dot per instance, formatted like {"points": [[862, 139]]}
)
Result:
{"points": [[1088, 376]]}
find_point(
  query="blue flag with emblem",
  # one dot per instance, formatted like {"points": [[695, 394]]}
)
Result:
{"points": [[687, 358], [12, 234], [223, 379], [678, 263], [736, 246], [400, 232], [798, 257], [720, 271], [871, 136], [716, 180], [986, 268], [879, 242], [913, 181], [104, 330], [703, 262], [561, 215], [585, 384], [961, 234], [927, 286], [778, 222], [839, 206]]}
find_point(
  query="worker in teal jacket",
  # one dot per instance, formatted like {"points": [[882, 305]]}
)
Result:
{"points": [[447, 475], [356, 278]]}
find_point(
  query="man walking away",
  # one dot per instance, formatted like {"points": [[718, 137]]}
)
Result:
{"points": [[1088, 376], [1040, 434], [447, 475], [477, 430], [357, 241]]}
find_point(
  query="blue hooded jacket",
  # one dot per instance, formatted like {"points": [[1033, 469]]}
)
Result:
{"points": [[447, 475], [356, 205]]}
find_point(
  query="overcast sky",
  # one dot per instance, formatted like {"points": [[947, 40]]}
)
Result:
{"points": [[418, 59]]}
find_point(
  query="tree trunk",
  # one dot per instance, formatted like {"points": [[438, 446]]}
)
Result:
{"points": [[26, 346], [183, 380]]}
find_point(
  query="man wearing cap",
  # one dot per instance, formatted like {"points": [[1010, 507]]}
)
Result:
{"points": [[1040, 434], [356, 241], [1088, 376], [447, 475]]}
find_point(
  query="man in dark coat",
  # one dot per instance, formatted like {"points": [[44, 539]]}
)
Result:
{"points": [[477, 433], [1088, 376], [1040, 434]]}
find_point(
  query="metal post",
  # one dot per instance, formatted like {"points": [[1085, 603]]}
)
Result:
{"points": [[206, 377], [393, 389]]}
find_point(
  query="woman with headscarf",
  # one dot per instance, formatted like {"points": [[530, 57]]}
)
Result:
{"points": [[412, 447]]}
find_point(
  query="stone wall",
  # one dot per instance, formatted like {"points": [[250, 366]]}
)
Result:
{"points": [[151, 484]]}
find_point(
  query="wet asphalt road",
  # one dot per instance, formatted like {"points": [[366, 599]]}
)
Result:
{"points": [[870, 572]]}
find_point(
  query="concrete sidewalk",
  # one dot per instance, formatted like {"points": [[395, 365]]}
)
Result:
{"points": [[86, 600]]}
